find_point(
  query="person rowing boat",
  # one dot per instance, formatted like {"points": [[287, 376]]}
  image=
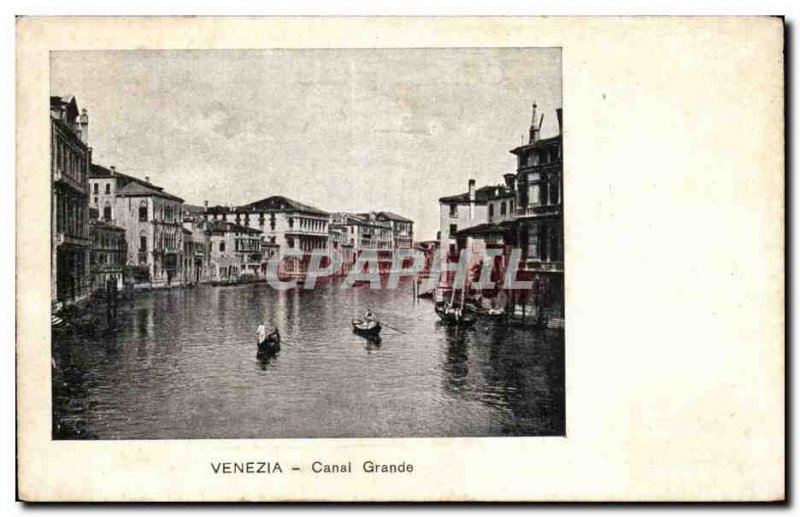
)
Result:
{"points": [[369, 326], [268, 343]]}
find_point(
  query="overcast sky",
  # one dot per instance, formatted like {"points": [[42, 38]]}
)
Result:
{"points": [[343, 130]]}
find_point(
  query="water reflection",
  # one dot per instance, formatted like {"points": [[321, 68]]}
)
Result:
{"points": [[179, 364], [264, 359]]}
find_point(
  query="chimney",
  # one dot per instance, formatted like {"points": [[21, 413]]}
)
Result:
{"points": [[83, 124], [511, 181], [205, 205], [113, 170], [147, 179], [471, 190], [559, 115], [534, 132]]}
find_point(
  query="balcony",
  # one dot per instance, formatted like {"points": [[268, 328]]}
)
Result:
{"points": [[539, 210], [60, 177], [539, 167], [65, 238], [535, 264], [307, 231]]}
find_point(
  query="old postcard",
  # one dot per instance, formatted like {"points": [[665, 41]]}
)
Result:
{"points": [[400, 259]]}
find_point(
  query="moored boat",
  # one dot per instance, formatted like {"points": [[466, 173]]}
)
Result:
{"points": [[487, 315], [454, 316]]}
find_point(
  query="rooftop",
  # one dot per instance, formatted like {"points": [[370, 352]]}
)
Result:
{"points": [[544, 142], [282, 204], [482, 195], [130, 186], [487, 228], [394, 217], [363, 220]]}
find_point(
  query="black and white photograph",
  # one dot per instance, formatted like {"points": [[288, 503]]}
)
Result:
{"points": [[399, 259], [307, 243]]}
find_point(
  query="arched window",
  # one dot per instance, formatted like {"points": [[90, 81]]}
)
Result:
{"points": [[491, 210], [503, 208], [143, 211], [107, 211]]}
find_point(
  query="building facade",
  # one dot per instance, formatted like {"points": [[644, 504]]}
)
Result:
{"points": [[195, 230], [234, 252], [286, 225], [540, 214], [70, 158], [152, 219], [402, 229], [108, 255], [366, 234], [525, 213]]}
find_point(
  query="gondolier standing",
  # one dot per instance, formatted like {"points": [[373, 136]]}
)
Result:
{"points": [[261, 332]]}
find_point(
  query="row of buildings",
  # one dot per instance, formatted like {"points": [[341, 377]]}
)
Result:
{"points": [[111, 229], [524, 212]]}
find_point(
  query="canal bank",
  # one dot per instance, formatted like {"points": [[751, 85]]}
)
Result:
{"points": [[182, 364]]}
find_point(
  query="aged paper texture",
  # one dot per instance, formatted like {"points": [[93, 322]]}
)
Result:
{"points": [[199, 164]]}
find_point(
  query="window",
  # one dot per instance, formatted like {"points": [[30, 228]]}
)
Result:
{"points": [[108, 188], [107, 212], [491, 210], [143, 211], [554, 198], [453, 228], [222, 247], [454, 210], [95, 188], [143, 243], [291, 223], [533, 197], [503, 208]]}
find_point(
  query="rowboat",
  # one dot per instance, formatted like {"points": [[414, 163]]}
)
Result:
{"points": [[271, 344], [370, 329]]}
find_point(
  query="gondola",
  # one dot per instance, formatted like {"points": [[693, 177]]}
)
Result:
{"points": [[369, 329], [450, 318], [271, 344], [488, 315]]}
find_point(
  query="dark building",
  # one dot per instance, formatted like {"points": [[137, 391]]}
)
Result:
{"points": [[70, 159], [539, 214]]}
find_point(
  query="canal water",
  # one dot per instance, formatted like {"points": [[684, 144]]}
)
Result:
{"points": [[182, 363]]}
